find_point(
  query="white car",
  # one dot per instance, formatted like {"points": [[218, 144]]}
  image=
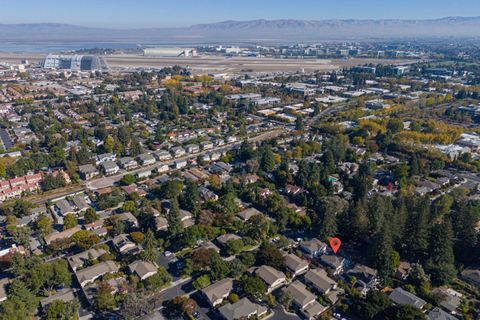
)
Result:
{"points": [[167, 253]]}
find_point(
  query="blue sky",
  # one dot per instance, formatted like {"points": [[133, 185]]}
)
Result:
{"points": [[165, 13]]}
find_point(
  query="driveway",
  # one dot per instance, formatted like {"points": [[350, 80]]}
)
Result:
{"points": [[279, 313]]}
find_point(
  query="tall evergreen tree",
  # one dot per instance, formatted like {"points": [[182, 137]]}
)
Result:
{"points": [[174, 220], [440, 263]]}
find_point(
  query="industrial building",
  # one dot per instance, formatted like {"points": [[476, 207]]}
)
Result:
{"points": [[170, 52], [75, 62]]}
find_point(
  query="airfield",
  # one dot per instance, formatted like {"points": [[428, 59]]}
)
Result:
{"points": [[217, 64]]}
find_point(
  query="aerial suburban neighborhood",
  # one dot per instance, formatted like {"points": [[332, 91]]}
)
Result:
{"points": [[183, 192]]}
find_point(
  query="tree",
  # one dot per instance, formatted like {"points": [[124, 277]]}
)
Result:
{"points": [[405, 312], [85, 239], [269, 255], [21, 236], [150, 251], [138, 303], [254, 287], [268, 159], [180, 306], [61, 310], [44, 225], [395, 125], [299, 125], [137, 236], [234, 246], [175, 225], [286, 299], [237, 268], [382, 252], [90, 216], [374, 304], [158, 280], [21, 208], [69, 221], [191, 197], [109, 144], [128, 179], [104, 299], [440, 263], [219, 268], [201, 282]]}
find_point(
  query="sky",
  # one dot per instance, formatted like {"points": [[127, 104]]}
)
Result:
{"points": [[177, 13]]}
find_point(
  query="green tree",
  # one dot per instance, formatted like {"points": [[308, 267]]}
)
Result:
{"points": [[128, 179], [268, 159], [90, 215], [109, 144], [269, 255], [60, 310], [44, 225], [104, 300], [150, 251], [234, 246], [85, 239], [254, 287], [395, 125], [202, 282], [440, 263], [69, 221], [175, 225]]}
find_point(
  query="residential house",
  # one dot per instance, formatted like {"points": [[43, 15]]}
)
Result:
{"points": [[313, 247], [179, 164], [292, 190], [319, 279], [79, 260], [123, 244], [271, 276], [187, 218], [87, 171], [146, 159], [295, 264], [333, 262], [206, 145], [366, 277], [105, 157], [246, 214], [163, 155], [161, 223], [471, 275], [403, 270], [448, 298], [128, 218], [217, 292], [80, 203], [224, 238], [144, 174], [63, 207], [66, 234], [90, 274], [242, 309], [439, 314], [143, 269], [304, 300], [192, 148], [128, 163], [110, 168], [403, 297], [65, 295], [207, 194], [178, 152]]}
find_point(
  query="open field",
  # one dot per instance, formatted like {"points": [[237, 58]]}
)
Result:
{"points": [[216, 64]]}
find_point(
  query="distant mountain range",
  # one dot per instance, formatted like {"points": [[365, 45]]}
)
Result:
{"points": [[255, 31]]}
